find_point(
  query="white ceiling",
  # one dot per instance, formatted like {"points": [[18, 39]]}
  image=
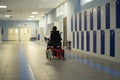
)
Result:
{"points": [[22, 9]]}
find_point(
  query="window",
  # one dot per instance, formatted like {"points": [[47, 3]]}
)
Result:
{"points": [[83, 2], [60, 10]]}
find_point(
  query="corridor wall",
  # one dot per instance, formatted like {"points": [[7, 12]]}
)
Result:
{"points": [[5, 24], [97, 30]]}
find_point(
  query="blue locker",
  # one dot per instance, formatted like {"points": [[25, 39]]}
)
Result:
{"points": [[80, 22], [91, 19], [107, 7], [71, 23], [75, 22], [82, 40], [88, 41], [99, 18], [85, 20], [94, 41], [118, 14], [73, 39], [112, 43], [77, 40], [102, 42]]}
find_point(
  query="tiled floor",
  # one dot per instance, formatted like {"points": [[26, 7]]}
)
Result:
{"points": [[27, 61]]}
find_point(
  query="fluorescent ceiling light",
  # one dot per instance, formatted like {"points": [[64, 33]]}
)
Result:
{"points": [[29, 19], [32, 16], [3, 6], [34, 12], [7, 15]]}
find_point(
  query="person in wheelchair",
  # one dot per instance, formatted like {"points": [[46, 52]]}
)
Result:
{"points": [[55, 38]]}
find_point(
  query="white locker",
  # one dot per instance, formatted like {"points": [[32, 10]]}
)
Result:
{"points": [[103, 17], [99, 42], [88, 20], [107, 42], [73, 22], [91, 41], [85, 41], [117, 43], [113, 15], [95, 19]]}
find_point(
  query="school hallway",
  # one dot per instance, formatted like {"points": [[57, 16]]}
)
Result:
{"points": [[27, 61]]}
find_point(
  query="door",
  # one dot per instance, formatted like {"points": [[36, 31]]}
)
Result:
{"points": [[64, 31], [13, 34], [25, 34]]}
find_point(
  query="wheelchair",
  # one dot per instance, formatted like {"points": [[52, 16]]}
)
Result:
{"points": [[54, 52]]}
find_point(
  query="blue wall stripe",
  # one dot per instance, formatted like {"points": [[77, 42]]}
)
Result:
{"points": [[107, 15], [94, 41], [112, 43], [102, 42], [73, 39], [88, 41], [71, 23], [94, 65], [75, 22], [99, 18], [118, 14], [77, 40], [25, 71], [80, 22], [82, 40], [91, 19], [85, 20]]}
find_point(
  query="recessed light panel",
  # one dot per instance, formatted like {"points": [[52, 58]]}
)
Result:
{"points": [[3, 6]]}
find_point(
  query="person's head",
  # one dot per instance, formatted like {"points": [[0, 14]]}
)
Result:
{"points": [[54, 28]]}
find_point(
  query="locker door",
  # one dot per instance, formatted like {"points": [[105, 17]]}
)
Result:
{"points": [[75, 22], [102, 42], [107, 7], [112, 43], [98, 42], [71, 23], [80, 22], [94, 42], [99, 18], [91, 19], [73, 40], [118, 14], [82, 40], [88, 41], [85, 20], [77, 40]]}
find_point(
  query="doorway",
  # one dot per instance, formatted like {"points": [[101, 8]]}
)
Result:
{"points": [[16, 34], [65, 31]]}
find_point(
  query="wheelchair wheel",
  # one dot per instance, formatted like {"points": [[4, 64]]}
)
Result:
{"points": [[49, 54]]}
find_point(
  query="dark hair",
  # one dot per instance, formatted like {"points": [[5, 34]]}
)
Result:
{"points": [[54, 28]]}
